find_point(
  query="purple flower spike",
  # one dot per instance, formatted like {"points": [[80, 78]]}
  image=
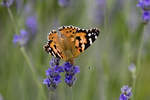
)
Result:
{"points": [[63, 3], [31, 24], [126, 93], [70, 79], [53, 74], [7, 3], [16, 39], [123, 97], [70, 71], [54, 77], [98, 12], [48, 72], [47, 82], [58, 69], [54, 61], [22, 38], [145, 5], [132, 68], [146, 16]]}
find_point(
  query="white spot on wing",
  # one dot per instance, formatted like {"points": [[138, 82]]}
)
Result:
{"points": [[53, 54], [90, 40], [95, 37], [58, 54], [89, 34]]}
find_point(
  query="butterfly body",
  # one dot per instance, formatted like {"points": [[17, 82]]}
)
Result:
{"points": [[69, 42]]}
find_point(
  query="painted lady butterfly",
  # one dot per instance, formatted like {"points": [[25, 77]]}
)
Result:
{"points": [[69, 42]]}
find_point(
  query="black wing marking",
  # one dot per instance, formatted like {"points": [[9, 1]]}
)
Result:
{"points": [[51, 51], [91, 36]]}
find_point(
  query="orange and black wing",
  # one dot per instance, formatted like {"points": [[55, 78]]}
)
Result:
{"points": [[71, 39], [53, 47], [68, 31], [84, 38]]}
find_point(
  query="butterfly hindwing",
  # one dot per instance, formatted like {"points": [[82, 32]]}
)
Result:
{"points": [[52, 47]]}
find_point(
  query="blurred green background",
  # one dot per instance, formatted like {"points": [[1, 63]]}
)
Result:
{"points": [[103, 67]]}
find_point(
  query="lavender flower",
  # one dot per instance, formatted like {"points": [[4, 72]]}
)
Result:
{"points": [[31, 24], [70, 72], [63, 3], [145, 5], [1, 97], [54, 62], [126, 93], [7, 3], [22, 39], [53, 74], [146, 16], [98, 11], [132, 68], [47, 82]]}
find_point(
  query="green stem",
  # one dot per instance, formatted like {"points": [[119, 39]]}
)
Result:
{"points": [[106, 18], [12, 19], [137, 73], [69, 93], [27, 59], [105, 65], [140, 54], [39, 85], [52, 95], [22, 49], [133, 84]]}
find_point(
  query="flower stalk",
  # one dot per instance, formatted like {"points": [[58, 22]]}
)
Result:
{"points": [[22, 49]]}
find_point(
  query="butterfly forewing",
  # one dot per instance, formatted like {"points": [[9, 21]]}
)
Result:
{"points": [[84, 38], [68, 31]]}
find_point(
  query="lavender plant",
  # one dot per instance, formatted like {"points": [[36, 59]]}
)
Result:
{"points": [[126, 93], [145, 6], [31, 24], [53, 74], [70, 72], [63, 3], [22, 71], [54, 77], [22, 38], [7, 3]]}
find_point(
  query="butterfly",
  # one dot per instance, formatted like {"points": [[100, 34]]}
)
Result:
{"points": [[69, 42]]}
